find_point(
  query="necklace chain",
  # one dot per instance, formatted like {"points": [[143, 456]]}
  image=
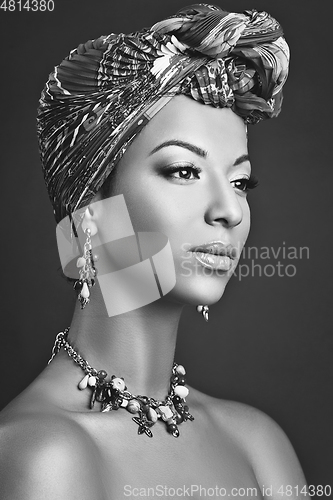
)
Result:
{"points": [[113, 393]]}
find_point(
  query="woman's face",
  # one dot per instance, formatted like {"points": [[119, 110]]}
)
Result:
{"points": [[185, 176]]}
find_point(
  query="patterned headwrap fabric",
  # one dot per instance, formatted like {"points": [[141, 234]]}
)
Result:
{"points": [[99, 98]]}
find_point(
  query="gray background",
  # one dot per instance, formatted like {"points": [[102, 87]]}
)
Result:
{"points": [[269, 341]]}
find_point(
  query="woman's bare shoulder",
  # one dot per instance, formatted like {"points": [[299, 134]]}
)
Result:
{"points": [[262, 440], [45, 454], [238, 419]]}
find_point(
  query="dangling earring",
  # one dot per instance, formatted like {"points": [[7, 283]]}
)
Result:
{"points": [[204, 310], [87, 271]]}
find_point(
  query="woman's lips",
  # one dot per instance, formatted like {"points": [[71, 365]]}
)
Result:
{"points": [[212, 261], [215, 255]]}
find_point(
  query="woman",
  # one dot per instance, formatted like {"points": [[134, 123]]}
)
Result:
{"points": [[144, 149]]}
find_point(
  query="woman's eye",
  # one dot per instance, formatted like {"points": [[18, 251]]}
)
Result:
{"points": [[183, 173], [245, 183]]}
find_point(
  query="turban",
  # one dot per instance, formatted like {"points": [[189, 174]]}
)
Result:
{"points": [[100, 97]]}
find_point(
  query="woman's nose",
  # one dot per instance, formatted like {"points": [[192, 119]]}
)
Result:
{"points": [[224, 207]]}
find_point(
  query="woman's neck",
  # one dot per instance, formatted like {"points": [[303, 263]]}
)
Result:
{"points": [[138, 345]]}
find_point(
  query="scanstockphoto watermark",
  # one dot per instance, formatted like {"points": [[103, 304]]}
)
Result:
{"points": [[194, 490], [199, 491], [255, 261]]}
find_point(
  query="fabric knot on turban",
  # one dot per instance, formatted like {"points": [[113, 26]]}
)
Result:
{"points": [[99, 98]]}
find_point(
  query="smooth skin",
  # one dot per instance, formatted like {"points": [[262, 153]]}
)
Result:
{"points": [[51, 446]]}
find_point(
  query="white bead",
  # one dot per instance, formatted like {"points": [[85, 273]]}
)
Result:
{"points": [[92, 381], [180, 370], [152, 415], [84, 382], [133, 406], [199, 308], [124, 403], [181, 391], [85, 291], [80, 262], [118, 383], [166, 412]]}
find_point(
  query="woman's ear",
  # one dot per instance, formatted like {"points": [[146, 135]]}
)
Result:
{"points": [[89, 220]]}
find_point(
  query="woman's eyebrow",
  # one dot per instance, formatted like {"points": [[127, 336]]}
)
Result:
{"points": [[195, 149], [241, 159], [183, 144]]}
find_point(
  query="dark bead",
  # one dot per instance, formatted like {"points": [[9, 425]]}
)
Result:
{"points": [[100, 396], [174, 379], [78, 285], [173, 429], [181, 381], [186, 408], [92, 401], [176, 400], [102, 374], [144, 408], [179, 418]]}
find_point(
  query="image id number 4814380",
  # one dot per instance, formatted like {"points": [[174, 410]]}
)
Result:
{"points": [[312, 491], [27, 6]]}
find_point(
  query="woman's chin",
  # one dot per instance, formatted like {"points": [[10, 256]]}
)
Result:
{"points": [[202, 292]]}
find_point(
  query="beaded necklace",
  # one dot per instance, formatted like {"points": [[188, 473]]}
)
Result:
{"points": [[113, 393]]}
